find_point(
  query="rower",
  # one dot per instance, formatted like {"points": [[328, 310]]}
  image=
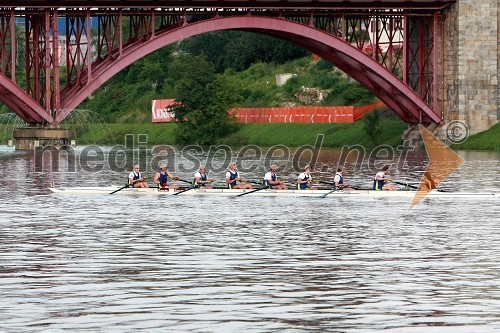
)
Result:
{"points": [[233, 177], [161, 177], [271, 179], [136, 180], [339, 180], [200, 179], [305, 181], [380, 182]]}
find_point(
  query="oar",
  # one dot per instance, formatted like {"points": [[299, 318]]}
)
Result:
{"points": [[191, 188], [251, 181], [183, 180], [331, 183], [415, 187], [252, 191], [405, 184], [361, 189], [324, 195], [121, 188], [324, 182], [189, 182]]}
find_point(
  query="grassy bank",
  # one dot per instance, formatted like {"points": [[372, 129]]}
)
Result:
{"points": [[262, 134], [110, 134], [336, 135], [487, 140]]}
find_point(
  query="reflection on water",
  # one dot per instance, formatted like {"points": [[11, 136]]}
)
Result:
{"points": [[184, 264]]}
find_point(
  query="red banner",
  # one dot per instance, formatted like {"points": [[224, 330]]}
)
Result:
{"points": [[162, 111], [304, 114]]}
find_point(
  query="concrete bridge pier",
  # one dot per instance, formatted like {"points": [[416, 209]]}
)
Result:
{"points": [[29, 138], [472, 67], [413, 134], [471, 72]]}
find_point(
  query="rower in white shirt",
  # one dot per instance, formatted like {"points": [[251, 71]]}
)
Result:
{"points": [[233, 177], [339, 180], [380, 181], [135, 178], [271, 179], [304, 180]]}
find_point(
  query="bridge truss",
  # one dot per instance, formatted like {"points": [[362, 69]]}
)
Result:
{"points": [[395, 52]]}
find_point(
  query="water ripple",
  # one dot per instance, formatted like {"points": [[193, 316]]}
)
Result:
{"points": [[115, 264]]}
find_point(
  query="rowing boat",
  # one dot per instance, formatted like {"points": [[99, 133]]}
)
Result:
{"points": [[270, 193]]}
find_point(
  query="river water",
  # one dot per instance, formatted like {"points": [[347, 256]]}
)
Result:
{"points": [[83, 263]]}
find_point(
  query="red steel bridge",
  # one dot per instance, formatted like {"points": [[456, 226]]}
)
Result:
{"points": [[395, 48]]}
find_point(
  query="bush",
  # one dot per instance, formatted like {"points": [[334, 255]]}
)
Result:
{"points": [[372, 126]]}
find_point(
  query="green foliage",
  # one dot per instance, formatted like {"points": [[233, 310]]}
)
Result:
{"points": [[204, 99], [4, 109], [239, 50], [127, 96], [265, 135], [192, 74], [110, 134], [487, 140], [336, 135], [322, 66], [372, 126], [190, 71], [357, 95]]}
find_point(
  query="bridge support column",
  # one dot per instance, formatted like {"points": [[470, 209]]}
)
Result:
{"points": [[413, 134], [472, 68], [29, 138]]}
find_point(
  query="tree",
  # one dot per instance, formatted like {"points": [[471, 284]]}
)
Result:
{"points": [[372, 126], [239, 50], [204, 100], [191, 75]]}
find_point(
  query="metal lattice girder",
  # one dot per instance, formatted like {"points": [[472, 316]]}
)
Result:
{"points": [[266, 4], [77, 32], [21, 103], [7, 45], [400, 41]]}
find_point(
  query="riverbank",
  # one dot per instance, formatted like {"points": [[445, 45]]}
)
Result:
{"points": [[335, 135], [487, 140], [261, 134]]}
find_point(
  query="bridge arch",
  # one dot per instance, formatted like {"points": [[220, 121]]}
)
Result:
{"points": [[385, 85], [23, 104]]}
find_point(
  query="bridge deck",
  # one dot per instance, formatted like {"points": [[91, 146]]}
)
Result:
{"points": [[327, 4]]}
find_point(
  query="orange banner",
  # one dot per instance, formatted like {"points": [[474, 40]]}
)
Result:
{"points": [[304, 114]]}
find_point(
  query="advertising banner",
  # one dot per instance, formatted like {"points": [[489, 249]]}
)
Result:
{"points": [[162, 111]]}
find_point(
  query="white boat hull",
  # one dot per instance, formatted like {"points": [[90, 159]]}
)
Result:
{"points": [[269, 193]]}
